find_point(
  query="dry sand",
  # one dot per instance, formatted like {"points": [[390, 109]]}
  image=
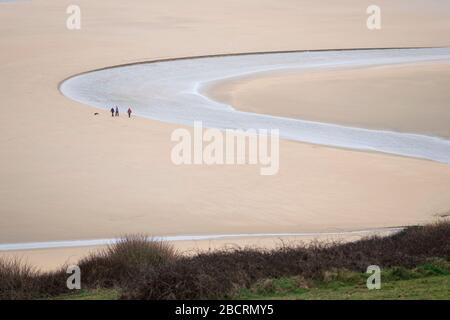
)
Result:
{"points": [[411, 98], [67, 174]]}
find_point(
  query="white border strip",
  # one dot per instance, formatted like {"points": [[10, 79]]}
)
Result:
{"points": [[103, 242]]}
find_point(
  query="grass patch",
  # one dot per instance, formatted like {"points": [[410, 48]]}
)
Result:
{"points": [[430, 288], [92, 294], [428, 281]]}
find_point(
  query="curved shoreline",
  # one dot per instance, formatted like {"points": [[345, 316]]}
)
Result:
{"points": [[101, 242], [218, 55], [168, 90]]}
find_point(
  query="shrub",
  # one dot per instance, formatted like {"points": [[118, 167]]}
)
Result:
{"points": [[219, 274], [122, 262], [19, 280], [118, 265]]}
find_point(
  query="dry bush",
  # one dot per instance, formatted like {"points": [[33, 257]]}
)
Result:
{"points": [[218, 274], [118, 265], [122, 263], [20, 281]]}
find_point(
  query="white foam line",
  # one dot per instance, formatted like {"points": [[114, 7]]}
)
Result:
{"points": [[102, 242], [171, 91]]}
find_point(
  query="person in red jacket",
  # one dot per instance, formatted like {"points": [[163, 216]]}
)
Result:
{"points": [[129, 112]]}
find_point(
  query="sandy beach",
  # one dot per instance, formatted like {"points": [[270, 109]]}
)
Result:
{"points": [[404, 98], [67, 174]]}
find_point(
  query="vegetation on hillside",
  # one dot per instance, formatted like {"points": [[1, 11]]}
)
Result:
{"points": [[139, 268]]}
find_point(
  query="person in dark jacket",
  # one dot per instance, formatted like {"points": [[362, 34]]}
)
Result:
{"points": [[112, 112], [129, 112]]}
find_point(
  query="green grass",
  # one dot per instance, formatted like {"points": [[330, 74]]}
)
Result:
{"points": [[423, 289], [429, 281], [94, 294]]}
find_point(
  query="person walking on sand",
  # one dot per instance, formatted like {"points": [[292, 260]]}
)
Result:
{"points": [[117, 111], [112, 112], [129, 112]]}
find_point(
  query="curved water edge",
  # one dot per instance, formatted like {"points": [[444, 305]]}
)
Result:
{"points": [[171, 91], [104, 242]]}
